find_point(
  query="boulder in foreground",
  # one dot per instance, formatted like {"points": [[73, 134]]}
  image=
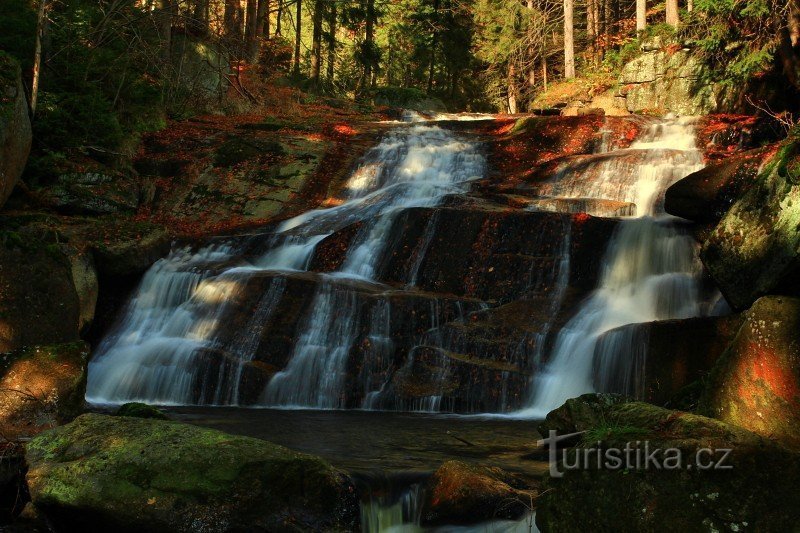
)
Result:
{"points": [[106, 473], [592, 498], [756, 382]]}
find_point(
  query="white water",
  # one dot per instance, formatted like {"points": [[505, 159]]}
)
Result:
{"points": [[651, 271], [153, 353]]}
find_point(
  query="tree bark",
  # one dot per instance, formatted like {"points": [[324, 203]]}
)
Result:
{"points": [[232, 19], [569, 39], [164, 13], [262, 31], [434, 44], [689, 5], [298, 28], [673, 17], [641, 15], [278, 19], [200, 16], [251, 30], [316, 41], [37, 55], [512, 88], [369, 38], [544, 71], [331, 39]]}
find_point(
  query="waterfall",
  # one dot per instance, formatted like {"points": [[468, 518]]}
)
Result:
{"points": [[650, 268], [159, 351]]}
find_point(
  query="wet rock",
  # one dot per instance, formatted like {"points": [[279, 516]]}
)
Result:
{"points": [[459, 493], [41, 386], [140, 410], [92, 193], [87, 288], [15, 127], [666, 355], [581, 413], [630, 498], [756, 383], [13, 491], [131, 255], [38, 299], [239, 149], [755, 248], [102, 473], [706, 195]]}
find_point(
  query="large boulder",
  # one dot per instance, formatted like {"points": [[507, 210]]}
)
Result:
{"points": [[662, 80], [13, 492], [38, 298], [755, 248], [683, 494], [104, 473], [706, 195], [41, 386], [459, 493], [756, 383], [15, 126]]}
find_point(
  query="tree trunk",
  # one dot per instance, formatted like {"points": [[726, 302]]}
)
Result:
{"points": [[233, 20], [593, 27], [316, 41], [434, 44], [251, 30], [369, 38], [794, 24], [278, 18], [544, 71], [297, 33], [37, 55], [569, 39], [689, 5], [164, 12], [641, 15], [531, 53], [200, 16], [673, 17], [331, 39], [262, 31], [512, 88]]}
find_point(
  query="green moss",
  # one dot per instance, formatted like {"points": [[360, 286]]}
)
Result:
{"points": [[140, 410]]}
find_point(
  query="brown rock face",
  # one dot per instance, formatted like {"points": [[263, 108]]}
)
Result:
{"points": [[15, 127], [756, 383], [458, 493]]}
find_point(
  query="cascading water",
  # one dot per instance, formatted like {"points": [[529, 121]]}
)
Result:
{"points": [[153, 354], [651, 271]]}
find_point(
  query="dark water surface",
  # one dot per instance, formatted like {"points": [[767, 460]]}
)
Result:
{"points": [[388, 442]]}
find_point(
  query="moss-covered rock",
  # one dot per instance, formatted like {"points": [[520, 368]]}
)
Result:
{"points": [[239, 149], [105, 473], [648, 498], [459, 493], [756, 382], [41, 386], [140, 410], [13, 491], [755, 248], [15, 127]]}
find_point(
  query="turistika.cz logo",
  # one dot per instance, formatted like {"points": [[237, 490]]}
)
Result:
{"points": [[637, 455]]}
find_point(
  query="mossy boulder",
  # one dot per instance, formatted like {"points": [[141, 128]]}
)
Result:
{"points": [[92, 193], [131, 251], [107, 473], [140, 410], [592, 497], [755, 248], [459, 493], [41, 386], [15, 127], [756, 382], [237, 150], [13, 491]]}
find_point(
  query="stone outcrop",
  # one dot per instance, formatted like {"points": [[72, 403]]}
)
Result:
{"points": [[697, 498], [15, 127], [662, 80], [706, 195], [41, 386], [104, 473], [755, 248], [458, 493], [756, 383]]}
